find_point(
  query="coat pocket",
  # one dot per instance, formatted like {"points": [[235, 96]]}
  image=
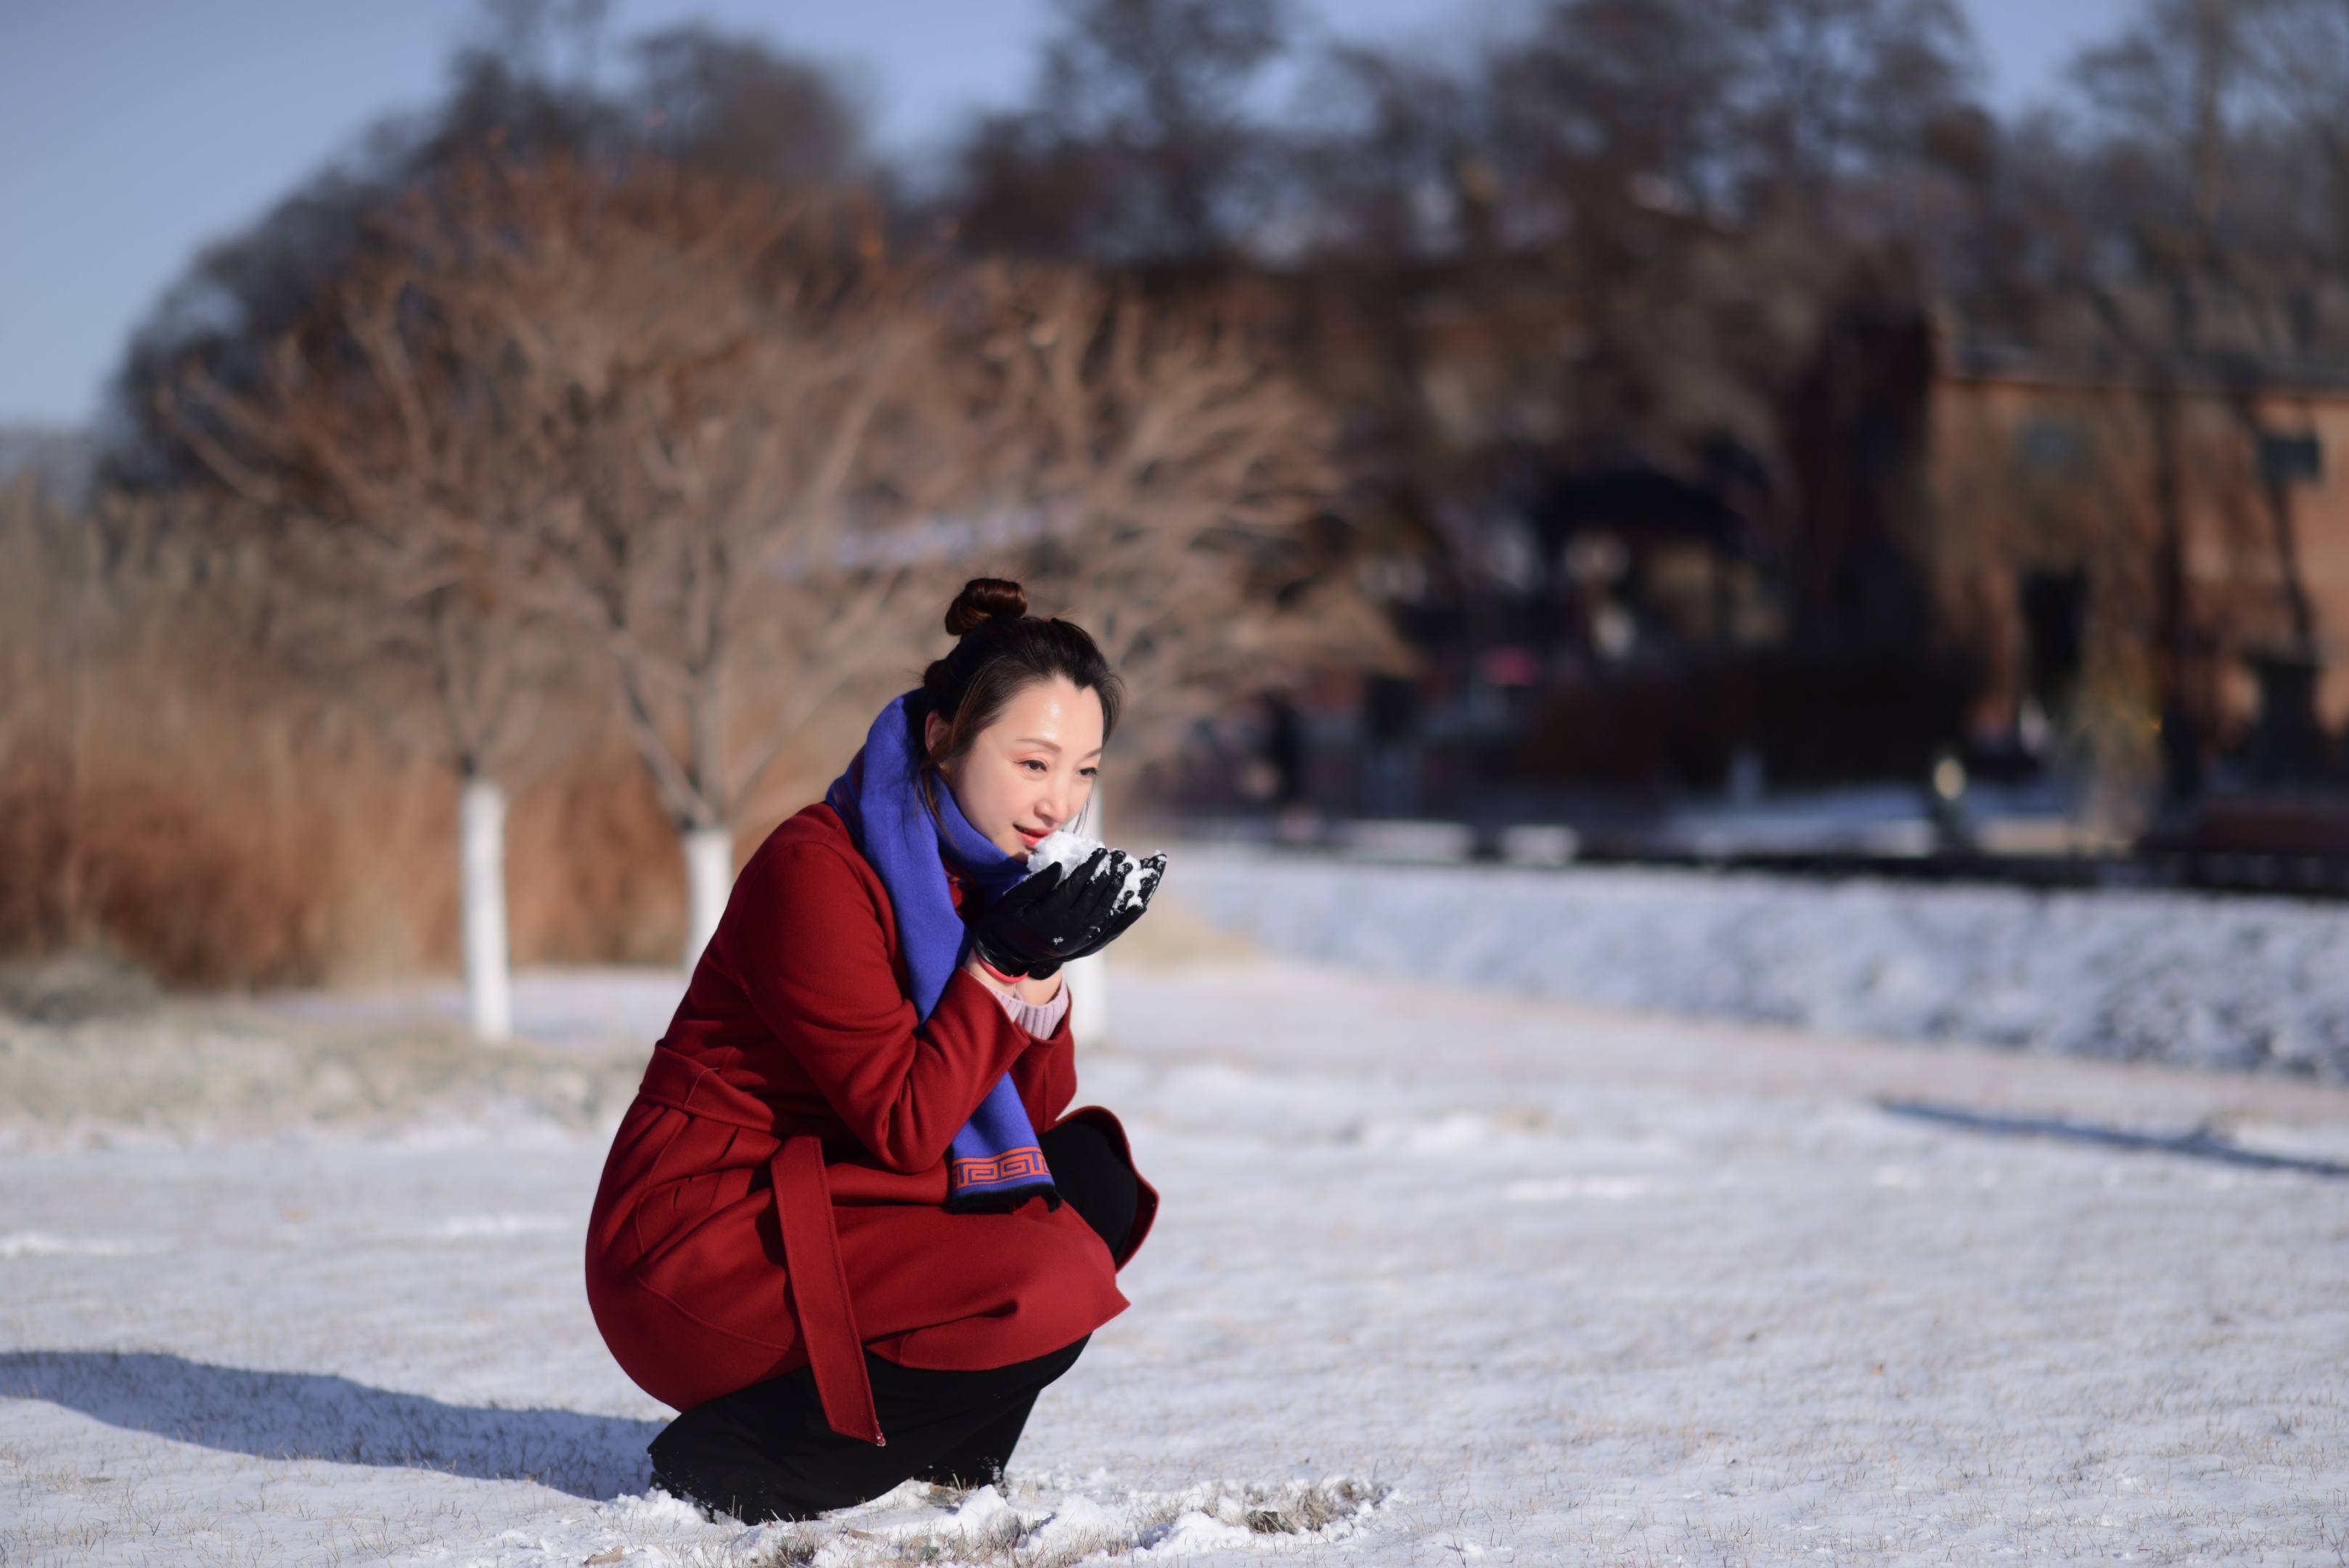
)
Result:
{"points": [[703, 1195]]}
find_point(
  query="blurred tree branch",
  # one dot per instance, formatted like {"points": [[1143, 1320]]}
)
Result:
{"points": [[1177, 487], [751, 398], [392, 455], [1137, 145]]}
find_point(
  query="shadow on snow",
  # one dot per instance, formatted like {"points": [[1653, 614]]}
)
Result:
{"points": [[300, 1416], [2199, 1144]]}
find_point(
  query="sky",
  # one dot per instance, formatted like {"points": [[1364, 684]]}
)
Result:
{"points": [[134, 131]]}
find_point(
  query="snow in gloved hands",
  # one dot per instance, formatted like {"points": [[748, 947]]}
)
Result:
{"points": [[1078, 896], [1063, 848], [1075, 852]]}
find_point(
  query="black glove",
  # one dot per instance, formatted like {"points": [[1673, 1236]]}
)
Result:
{"points": [[1049, 919], [1127, 907]]}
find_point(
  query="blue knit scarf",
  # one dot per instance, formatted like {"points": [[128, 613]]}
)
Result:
{"points": [[995, 1162]]}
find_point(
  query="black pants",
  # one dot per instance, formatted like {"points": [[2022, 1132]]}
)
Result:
{"points": [[766, 1452]]}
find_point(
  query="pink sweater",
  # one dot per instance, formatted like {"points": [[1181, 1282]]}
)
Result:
{"points": [[1041, 1019]]}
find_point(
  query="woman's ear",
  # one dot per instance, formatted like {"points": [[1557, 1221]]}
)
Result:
{"points": [[934, 730]]}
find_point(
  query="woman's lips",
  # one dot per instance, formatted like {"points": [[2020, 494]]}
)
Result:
{"points": [[1034, 838]]}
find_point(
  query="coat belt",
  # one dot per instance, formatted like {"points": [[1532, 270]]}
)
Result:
{"points": [[818, 1280]]}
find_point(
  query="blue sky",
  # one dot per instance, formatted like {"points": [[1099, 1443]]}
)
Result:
{"points": [[132, 132]]}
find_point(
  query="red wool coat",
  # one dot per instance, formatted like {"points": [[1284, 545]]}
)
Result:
{"points": [[775, 1196]]}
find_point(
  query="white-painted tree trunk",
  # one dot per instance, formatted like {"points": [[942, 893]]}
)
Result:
{"points": [[709, 879], [1088, 978], [481, 864], [1088, 999]]}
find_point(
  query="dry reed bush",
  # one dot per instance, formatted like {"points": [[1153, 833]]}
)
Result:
{"points": [[155, 796], [593, 874], [169, 791]]}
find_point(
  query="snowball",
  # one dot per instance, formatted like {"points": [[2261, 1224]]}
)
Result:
{"points": [[1063, 848], [1070, 850]]}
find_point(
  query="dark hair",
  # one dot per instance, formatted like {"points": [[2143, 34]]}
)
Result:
{"points": [[1003, 651]]}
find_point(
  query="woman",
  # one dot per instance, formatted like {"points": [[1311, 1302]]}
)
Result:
{"points": [[848, 1226]]}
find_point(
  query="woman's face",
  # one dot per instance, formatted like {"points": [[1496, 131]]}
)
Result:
{"points": [[1032, 770]]}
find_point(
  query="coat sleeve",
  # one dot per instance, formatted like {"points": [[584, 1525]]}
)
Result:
{"points": [[1045, 1075], [808, 951]]}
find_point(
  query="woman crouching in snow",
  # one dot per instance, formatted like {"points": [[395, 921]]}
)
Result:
{"points": [[849, 1227]]}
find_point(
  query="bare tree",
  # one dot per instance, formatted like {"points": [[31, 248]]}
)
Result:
{"points": [[393, 453], [537, 78], [1726, 106], [653, 406], [802, 441], [1177, 484], [1396, 157], [751, 404], [729, 103], [2178, 79], [1137, 146], [2298, 50], [1830, 89]]}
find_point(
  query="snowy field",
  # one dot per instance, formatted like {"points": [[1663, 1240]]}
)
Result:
{"points": [[1442, 1277], [2230, 982]]}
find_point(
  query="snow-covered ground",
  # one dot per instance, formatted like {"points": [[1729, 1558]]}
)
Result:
{"points": [[1528, 1283], [2211, 980]]}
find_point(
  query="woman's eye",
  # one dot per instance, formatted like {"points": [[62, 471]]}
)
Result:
{"points": [[1032, 765]]}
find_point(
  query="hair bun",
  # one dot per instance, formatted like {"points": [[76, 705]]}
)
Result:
{"points": [[981, 600]]}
